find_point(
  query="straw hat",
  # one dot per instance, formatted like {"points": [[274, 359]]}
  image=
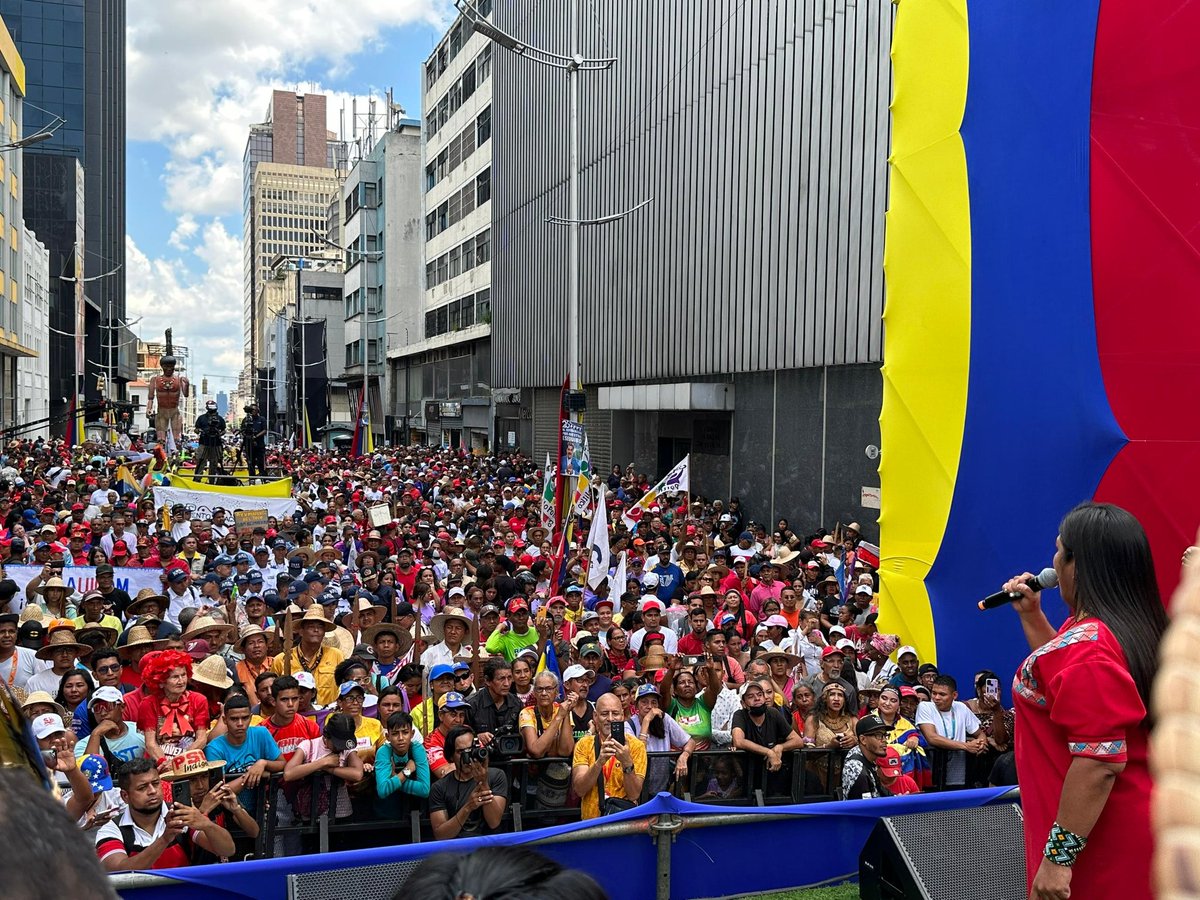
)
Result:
{"points": [[785, 557], [305, 553], [768, 652], [64, 638], [110, 633], [212, 672], [50, 583], [145, 597], [437, 624], [205, 624], [404, 637], [191, 763], [314, 614], [655, 659], [32, 613], [248, 632], [140, 636], [43, 697], [340, 639]]}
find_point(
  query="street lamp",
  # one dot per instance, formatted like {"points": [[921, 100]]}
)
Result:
{"points": [[37, 137], [572, 65]]}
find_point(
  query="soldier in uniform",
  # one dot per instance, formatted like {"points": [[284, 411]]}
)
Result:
{"points": [[162, 405], [254, 440], [211, 429]]}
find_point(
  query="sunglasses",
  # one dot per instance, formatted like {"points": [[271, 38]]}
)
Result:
{"points": [[107, 670]]}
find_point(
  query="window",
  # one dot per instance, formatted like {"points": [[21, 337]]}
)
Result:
{"points": [[455, 262], [370, 195], [454, 320], [431, 229], [430, 176], [483, 187], [483, 127], [467, 313], [483, 247], [468, 83], [443, 320], [443, 268], [442, 218], [484, 63], [468, 255], [455, 207], [483, 305], [430, 324]]}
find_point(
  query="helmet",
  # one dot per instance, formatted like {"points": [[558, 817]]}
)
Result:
{"points": [[167, 361], [211, 404]]}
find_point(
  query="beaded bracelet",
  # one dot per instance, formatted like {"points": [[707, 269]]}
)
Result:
{"points": [[1063, 847]]}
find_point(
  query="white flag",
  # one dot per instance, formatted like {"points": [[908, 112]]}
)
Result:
{"points": [[616, 581], [601, 557], [677, 481]]}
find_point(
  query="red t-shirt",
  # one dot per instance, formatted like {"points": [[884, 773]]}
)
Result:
{"points": [[409, 581], [435, 750], [903, 784], [292, 735], [690, 645]]}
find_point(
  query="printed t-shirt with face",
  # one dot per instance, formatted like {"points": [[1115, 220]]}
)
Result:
{"points": [[289, 737], [258, 745], [449, 795]]}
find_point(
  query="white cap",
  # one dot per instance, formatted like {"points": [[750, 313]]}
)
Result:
{"points": [[106, 694], [577, 671], [306, 680], [864, 589], [907, 649], [839, 629], [649, 580], [47, 724], [844, 644], [457, 592]]}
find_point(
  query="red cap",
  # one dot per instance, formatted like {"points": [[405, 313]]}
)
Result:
{"points": [[906, 691], [77, 506], [653, 604], [119, 549], [891, 764], [514, 604], [607, 601], [46, 510], [829, 651], [526, 560]]}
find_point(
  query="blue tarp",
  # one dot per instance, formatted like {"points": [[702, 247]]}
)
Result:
{"points": [[706, 862]]}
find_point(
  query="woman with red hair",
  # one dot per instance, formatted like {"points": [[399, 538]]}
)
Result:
{"points": [[173, 719]]}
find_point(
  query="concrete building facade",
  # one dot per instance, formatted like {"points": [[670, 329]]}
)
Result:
{"points": [[738, 317], [442, 366], [33, 372], [382, 228]]}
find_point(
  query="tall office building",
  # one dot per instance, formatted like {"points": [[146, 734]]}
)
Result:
{"points": [[442, 364], [382, 210], [293, 136], [74, 189], [738, 317]]}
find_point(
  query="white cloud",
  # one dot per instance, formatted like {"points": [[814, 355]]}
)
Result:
{"points": [[200, 74], [204, 311]]}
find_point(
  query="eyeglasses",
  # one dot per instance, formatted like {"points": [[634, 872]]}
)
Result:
{"points": [[463, 677], [107, 670], [545, 689]]}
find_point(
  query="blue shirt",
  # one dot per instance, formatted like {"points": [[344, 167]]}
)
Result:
{"points": [[390, 791], [670, 577], [258, 745]]}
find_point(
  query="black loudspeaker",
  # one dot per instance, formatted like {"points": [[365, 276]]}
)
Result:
{"points": [[950, 855]]}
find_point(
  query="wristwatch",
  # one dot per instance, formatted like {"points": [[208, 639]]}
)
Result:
{"points": [[627, 769]]}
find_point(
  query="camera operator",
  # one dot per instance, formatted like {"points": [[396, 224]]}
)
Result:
{"points": [[495, 710], [471, 801], [211, 429]]}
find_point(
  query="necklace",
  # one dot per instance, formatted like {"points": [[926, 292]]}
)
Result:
{"points": [[304, 663], [953, 722], [12, 673]]}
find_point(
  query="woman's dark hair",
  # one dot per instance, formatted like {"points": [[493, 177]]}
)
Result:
{"points": [[390, 691], [345, 667], [982, 676], [1115, 583], [60, 697], [412, 670], [498, 872]]}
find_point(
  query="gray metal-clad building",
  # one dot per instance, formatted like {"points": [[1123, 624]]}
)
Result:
{"points": [[738, 317]]}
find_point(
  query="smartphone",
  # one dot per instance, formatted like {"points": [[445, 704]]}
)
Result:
{"points": [[692, 660], [618, 732], [992, 687]]}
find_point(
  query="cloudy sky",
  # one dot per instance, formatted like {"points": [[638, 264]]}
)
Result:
{"points": [[198, 75]]}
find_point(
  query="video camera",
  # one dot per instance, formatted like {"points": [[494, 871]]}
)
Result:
{"points": [[507, 742]]}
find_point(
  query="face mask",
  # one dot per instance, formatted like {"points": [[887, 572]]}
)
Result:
{"points": [[757, 710]]}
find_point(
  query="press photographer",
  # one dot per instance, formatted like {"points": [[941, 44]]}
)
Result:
{"points": [[472, 800], [495, 710], [210, 428]]}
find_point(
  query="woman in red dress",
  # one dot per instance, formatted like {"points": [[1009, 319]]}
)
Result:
{"points": [[1081, 700]]}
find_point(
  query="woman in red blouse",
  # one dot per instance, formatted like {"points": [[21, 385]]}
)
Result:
{"points": [[173, 719], [1081, 701]]}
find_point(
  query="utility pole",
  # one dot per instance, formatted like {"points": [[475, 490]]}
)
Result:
{"points": [[303, 426]]}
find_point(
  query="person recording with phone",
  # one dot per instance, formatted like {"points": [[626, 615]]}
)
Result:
{"points": [[470, 801], [609, 767]]}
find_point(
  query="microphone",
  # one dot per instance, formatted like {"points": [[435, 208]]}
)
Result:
{"points": [[1047, 578]]}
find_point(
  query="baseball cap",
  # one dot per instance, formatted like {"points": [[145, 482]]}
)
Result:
{"points": [[515, 604], [460, 667], [577, 671], [453, 700], [652, 604], [47, 724], [590, 647], [864, 589], [906, 691], [891, 764], [870, 725], [845, 644], [339, 731], [647, 690], [306, 680], [907, 649], [830, 651], [649, 580], [107, 695], [347, 686], [776, 621], [177, 576], [95, 770], [198, 649], [440, 671]]}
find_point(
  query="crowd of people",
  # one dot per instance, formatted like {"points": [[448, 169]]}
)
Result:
{"points": [[453, 660]]}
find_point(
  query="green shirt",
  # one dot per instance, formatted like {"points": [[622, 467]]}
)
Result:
{"points": [[696, 719], [510, 643]]}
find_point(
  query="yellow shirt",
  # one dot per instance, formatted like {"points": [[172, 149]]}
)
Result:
{"points": [[330, 659], [422, 716], [614, 780], [369, 733], [105, 622]]}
